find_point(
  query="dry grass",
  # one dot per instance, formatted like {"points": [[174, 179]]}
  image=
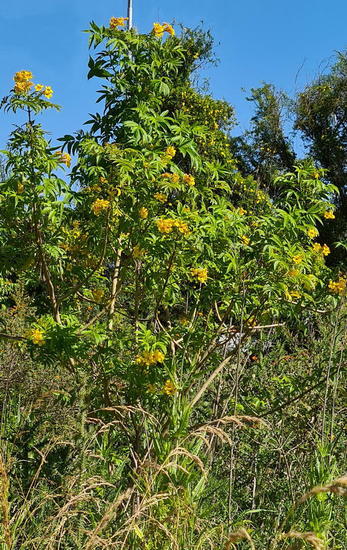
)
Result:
{"points": [[309, 537], [237, 536], [337, 486], [4, 504]]}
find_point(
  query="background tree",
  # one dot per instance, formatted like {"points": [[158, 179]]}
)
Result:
{"points": [[321, 117], [265, 150]]}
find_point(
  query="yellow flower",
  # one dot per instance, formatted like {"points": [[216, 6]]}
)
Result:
{"points": [[117, 22], [48, 92], [165, 225], [22, 76], [170, 152], [242, 211], [246, 240], [22, 87], [158, 29], [329, 215], [293, 273], [325, 250], [143, 213], [39, 87], [183, 320], [99, 205], [297, 259], [20, 188], [182, 227], [160, 197], [316, 247], [169, 388], [37, 336], [168, 28], [148, 358], [103, 180], [201, 273], [64, 158], [189, 179], [158, 356], [173, 177], [312, 232], [138, 252], [339, 286]]}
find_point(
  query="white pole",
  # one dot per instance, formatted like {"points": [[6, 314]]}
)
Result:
{"points": [[130, 14]]}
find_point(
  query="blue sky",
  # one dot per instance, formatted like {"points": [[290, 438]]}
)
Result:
{"points": [[284, 42]]}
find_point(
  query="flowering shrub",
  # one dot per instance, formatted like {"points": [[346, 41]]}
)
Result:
{"points": [[155, 225]]}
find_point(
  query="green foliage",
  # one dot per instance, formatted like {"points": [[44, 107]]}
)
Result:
{"points": [[137, 288]]}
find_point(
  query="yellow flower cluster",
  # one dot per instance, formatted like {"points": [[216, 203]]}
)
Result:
{"points": [[173, 177], [189, 179], [23, 76], [297, 259], [160, 28], [293, 273], [201, 273], [312, 232], [246, 240], [242, 211], [22, 82], [169, 388], [37, 336], [48, 92], [160, 197], [99, 205], [321, 249], [166, 225], [329, 215], [170, 152], [339, 286], [260, 196], [148, 358], [143, 213], [117, 22], [64, 158]]}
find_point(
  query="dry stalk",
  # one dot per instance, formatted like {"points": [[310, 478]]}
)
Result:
{"points": [[4, 504], [237, 536], [337, 486], [105, 520], [308, 536]]}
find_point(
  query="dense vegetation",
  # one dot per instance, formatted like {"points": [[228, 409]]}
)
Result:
{"points": [[172, 338]]}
